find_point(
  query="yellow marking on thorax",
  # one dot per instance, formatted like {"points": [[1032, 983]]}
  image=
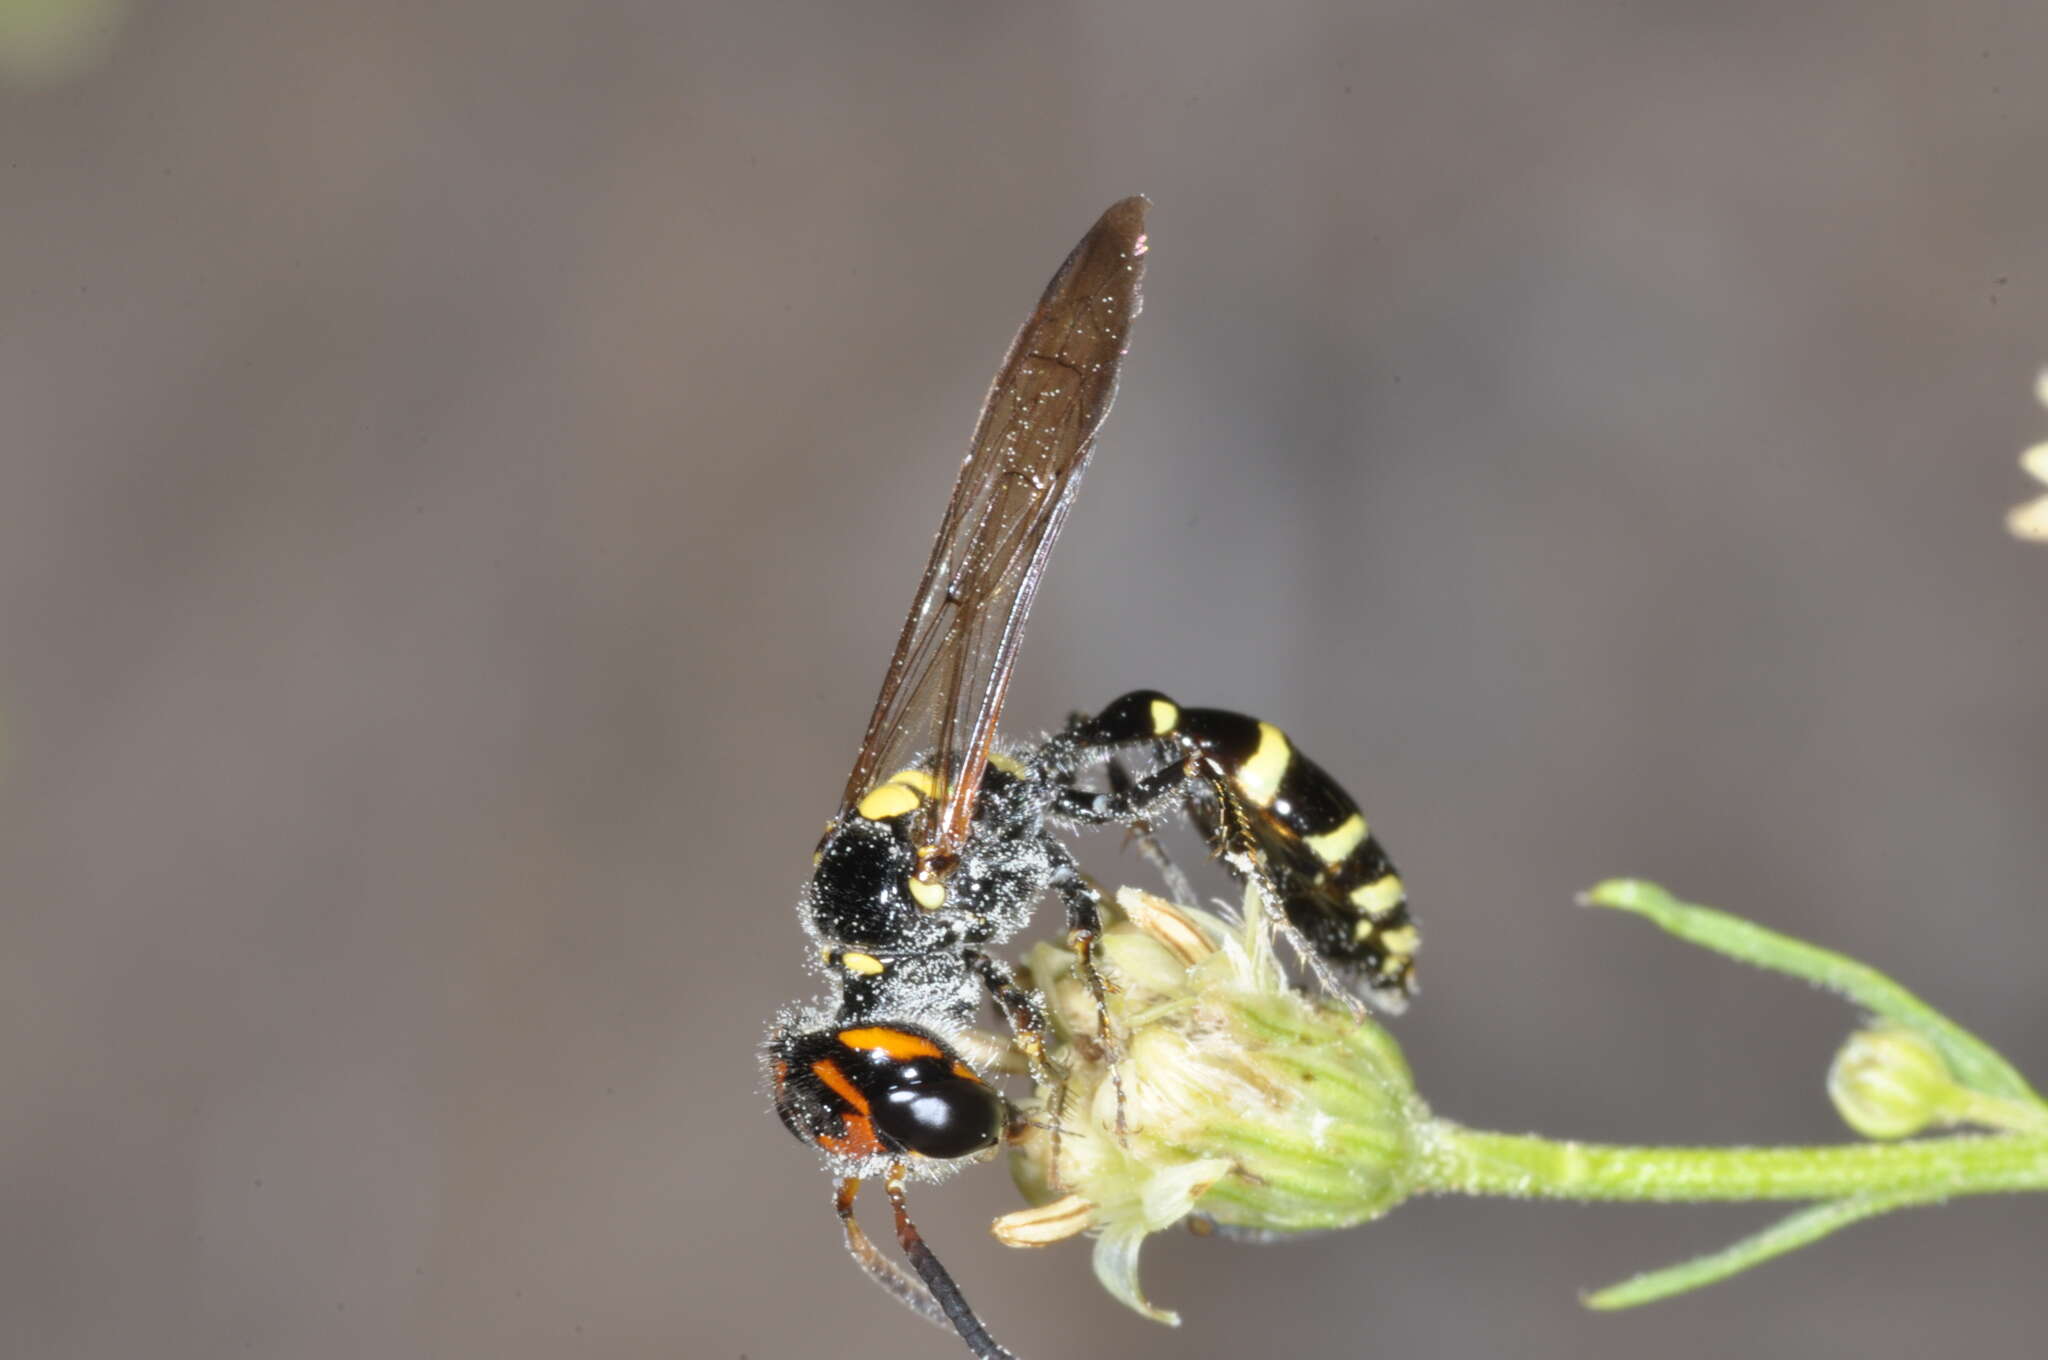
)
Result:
{"points": [[1009, 765], [1378, 898], [903, 791], [930, 896], [1260, 776], [867, 965], [890, 800], [1165, 716], [1332, 846], [1401, 941], [897, 1043]]}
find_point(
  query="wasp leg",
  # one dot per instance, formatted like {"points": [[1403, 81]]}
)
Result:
{"points": [[942, 1291], [1085, 807], [899, 1283], [1238, 849], [1141, 718], [1178, 888], [1020, 1006], [1084, 928], [1232, 771]]}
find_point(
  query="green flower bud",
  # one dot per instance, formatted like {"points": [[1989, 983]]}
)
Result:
{"points": [[1246, 1104], [1889, 1082]]}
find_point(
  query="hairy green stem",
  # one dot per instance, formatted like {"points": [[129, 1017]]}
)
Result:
{"points": [[1468, 1162]]}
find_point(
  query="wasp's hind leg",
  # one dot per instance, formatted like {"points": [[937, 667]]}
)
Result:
{"points": [[1238, 848]]}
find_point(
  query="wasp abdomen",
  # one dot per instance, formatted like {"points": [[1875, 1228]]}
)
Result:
{"points": [[1337, 885]]}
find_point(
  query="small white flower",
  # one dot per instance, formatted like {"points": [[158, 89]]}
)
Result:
{"points": [[2030, 521]]}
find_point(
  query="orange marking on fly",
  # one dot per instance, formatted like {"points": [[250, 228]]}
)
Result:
{"points": [[961, 1069], [898, 1044]]}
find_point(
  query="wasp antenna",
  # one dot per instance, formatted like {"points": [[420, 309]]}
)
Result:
{"points": [[1052, 1122], [904, 1287], [944, 1292], [1053, 1125]]}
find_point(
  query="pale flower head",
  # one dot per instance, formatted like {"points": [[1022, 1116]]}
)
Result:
{"points": [[1248, 1105]]}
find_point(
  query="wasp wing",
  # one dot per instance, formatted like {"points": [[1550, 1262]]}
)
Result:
{"points": [[951, 668]]}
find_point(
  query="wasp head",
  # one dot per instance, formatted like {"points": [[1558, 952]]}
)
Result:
{"points": [[877, 1092]]}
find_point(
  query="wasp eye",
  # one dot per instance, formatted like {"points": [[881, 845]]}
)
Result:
{"points": [[951, 1117]]}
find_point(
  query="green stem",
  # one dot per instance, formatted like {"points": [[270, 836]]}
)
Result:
{"points": [[1797, 1230], [1996, 1112], [1468, 1162]]}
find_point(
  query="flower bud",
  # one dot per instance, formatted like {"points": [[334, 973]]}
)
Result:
{"points": [[1246, 1104], [1889, 1082]]}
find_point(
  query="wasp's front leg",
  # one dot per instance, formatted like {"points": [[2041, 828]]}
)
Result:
{"points": [[1083, 900], [1020, 1006]]}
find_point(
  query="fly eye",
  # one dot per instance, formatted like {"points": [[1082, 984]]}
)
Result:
{"points": [[953, 1116]]}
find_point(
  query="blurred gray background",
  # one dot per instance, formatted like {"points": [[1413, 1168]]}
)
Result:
{"points": [[465, 465]]}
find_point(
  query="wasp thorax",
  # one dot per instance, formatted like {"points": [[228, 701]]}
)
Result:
{"points": [[859, 890]]}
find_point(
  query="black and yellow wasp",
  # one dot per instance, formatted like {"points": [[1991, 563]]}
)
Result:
{"points": [[943, 842]]}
